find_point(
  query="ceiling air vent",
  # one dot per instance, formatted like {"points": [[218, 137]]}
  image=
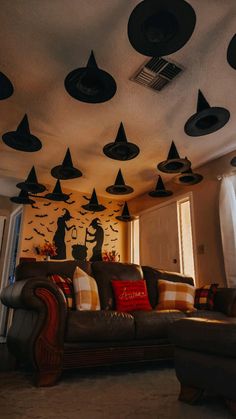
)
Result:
{"points": [[156, 73]]}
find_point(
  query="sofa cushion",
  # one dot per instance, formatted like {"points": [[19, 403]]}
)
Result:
{"points": [[105, 272], [202, 335], [204, 297], [154, 324], [152, 275], [86, 291], [131, 295], [95, 326], [175, 296], [206, 314]]}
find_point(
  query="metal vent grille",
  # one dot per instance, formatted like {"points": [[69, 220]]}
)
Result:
{"points": [[157, 73]]}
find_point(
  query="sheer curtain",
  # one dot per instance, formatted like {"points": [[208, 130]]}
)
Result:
{"points": [[227, 206]]}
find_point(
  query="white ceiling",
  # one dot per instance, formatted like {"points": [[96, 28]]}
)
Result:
{"points": [[42, 41]]}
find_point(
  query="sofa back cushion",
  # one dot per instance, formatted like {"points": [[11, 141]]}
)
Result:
{"points": [[65, 268], [152, 275], [105, 272]]}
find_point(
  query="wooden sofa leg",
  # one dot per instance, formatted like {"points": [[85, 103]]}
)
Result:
{"points": [[46, 378], [190, 395]]}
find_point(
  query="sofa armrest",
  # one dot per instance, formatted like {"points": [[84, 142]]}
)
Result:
{"points": [[36, 336], [225, 301]]}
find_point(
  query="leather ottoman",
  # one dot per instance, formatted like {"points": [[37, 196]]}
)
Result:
{"points": [[205, 358]]}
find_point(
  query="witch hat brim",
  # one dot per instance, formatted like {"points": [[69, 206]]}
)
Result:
{"points": [[188, 178], [6, 87], [160, 194], [207, 119], [233, 161], [66, 170], [231, 53], [31, 183], [90, 84], [121, 148], [22, 139], [158, 28], [93, 204], [57, 194], [23, 198]]}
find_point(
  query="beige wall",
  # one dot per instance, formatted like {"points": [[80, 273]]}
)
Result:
{"points": [[40, 224], [209, 257]]}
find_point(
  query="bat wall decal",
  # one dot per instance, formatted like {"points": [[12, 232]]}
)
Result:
{"points": [[115, 223], [85, 197], [82, 213], [39, 232], [29, 238], [70, 203], [56, 209], [114, 240], [50, 231], [52, 222], [30, 222], [113, 229], [41, 215], [43, 225], [47, 205], [34, 206], [25, 250], [117, 210], [111, 215]]}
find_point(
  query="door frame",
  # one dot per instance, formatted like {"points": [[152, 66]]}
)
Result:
{"points": [[6, 263], [169, 201]]}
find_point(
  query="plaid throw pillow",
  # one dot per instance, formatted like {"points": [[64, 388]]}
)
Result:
{"points": [[66, 286], [175, 296], [204, 297], [131, 295], [86, 291]]}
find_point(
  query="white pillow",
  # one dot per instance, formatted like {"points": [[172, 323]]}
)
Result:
{"points": [[86, 291]]}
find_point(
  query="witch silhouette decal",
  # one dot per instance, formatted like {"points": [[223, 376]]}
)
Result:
{"points": [[97, 238], [59, 236]]}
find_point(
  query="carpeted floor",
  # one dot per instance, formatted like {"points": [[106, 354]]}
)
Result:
{"points": [[106, 394]]}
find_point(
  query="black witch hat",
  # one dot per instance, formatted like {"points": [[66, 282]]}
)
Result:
{"points": [[22, 139], [188, 177], [174, 164], [160, 190], [57, 194], [31, 183], [121, 148], [125, 215], [207, 119], [93, 204], [90, 84], [6, 87], [66, 170], [119, 188], [233, 161], [22, 198], [158, 28], [231, 53]]}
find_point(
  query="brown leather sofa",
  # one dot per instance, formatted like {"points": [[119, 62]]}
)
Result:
{"points": [[205, 352], [48, 338]]}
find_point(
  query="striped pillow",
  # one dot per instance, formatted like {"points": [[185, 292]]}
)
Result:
{"points": [[86, 291], [175, 296], [66, 286]]}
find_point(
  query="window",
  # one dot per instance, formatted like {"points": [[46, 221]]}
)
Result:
{"points": [[185, 237], [134, 242]]}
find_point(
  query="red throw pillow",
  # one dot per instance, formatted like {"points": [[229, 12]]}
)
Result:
{"points": [[131, 295], [204, 297]]}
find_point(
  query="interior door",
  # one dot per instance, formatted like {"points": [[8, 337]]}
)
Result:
{"points": [[159, 241]]}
